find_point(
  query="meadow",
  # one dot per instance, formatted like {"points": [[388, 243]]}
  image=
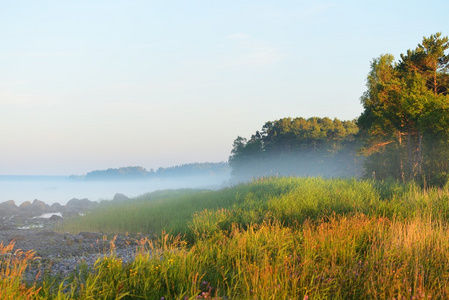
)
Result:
{"points": [[273, 238]]}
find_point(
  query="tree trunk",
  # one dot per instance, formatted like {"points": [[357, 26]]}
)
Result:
{"points": [[410, 156], [420, 157], [401, 165]]}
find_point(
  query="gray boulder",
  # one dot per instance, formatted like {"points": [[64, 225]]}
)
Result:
{"points": [[91, 235], [120, 197], [55, 218], [40, 205], [56, 207], [79, 204], [8, 208], [24, 204], [34, 209], [78, 239], [46, 232], [9, 203]]}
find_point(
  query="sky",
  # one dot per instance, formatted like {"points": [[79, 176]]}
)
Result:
{"points": [[97, 84]]}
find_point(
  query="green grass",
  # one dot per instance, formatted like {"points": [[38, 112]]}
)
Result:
{"points": [[286, 199], [170, 210], [275, 238]]}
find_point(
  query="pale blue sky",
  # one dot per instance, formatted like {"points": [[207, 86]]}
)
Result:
{"points": [[93, 84]]}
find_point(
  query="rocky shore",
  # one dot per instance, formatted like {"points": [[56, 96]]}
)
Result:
{"points": [[30, 227]]}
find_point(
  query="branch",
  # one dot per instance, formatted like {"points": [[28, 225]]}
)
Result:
{"points": [[375, 147]]}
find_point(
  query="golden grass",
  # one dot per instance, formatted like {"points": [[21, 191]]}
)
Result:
{"points": [[321, 239]]}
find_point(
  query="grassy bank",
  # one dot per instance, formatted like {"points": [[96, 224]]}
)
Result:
{"points": [[275, 238]]}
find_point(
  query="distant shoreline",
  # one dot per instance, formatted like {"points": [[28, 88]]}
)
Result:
{"points": [[60, 189], [33, 177]]}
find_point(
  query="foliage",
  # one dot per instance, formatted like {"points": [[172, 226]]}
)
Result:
{"points": [[404, 128], [405, 121], [133, 173], [120, 173], [306, 147], [194, 169], [13, 264]]}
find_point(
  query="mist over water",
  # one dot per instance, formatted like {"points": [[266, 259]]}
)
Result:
{"points": [[61, 189]]}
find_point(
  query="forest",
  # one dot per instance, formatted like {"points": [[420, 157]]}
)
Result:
{"points": [[302, 147], [402, 133], [139, 173]]}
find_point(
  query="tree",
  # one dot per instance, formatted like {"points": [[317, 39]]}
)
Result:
{"points": [[299, 146], [429, 60], [406, 111]]}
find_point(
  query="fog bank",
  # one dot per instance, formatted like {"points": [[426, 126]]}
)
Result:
{"points": [[51, 189]]}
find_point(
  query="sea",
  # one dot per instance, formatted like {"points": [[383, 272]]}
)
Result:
{"points": [[60, 189]]}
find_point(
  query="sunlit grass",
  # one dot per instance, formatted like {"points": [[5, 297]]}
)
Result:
{"points": [[275, 238], [286, 199], [342, 257], [170, 210], [13, 264]]}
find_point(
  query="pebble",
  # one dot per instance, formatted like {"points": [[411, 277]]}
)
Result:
{"points": [[62, 267], [60, 254]]}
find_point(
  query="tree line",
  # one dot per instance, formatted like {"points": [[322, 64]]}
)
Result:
{"points": [[402, 133], [139, 173], [298, 146]]}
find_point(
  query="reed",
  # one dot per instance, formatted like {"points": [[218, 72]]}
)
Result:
{"points": [[276, 238], [13, 264]]}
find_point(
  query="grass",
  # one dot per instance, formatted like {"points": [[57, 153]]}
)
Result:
{"points": [[169, 210], [274, 238], [13, 264], [288, 199]]}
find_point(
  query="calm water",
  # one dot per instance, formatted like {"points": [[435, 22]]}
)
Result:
{"points": [[51, 189]]}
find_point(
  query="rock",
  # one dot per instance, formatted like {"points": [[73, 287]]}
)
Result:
{"points": [[91, 235], [56, 207], [120, 197], [46, 233], [5, 227], [34, 209], [55, 218], [8, 209], [69, 241], [78, 239], [39, 205], [9, 203], [19, 220], [9, 206], [17, 238], [24, 204], [79, 204], [60, 254]]}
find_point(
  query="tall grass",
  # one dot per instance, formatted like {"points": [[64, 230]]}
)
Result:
{"points": [[285, 198], [289, 200], [341, 257], [171, 210], [13, 264], [275, 238]]}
